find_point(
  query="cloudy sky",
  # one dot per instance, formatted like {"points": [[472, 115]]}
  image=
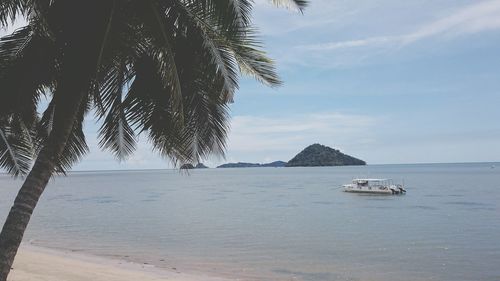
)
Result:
{"points": [[388, 81]]}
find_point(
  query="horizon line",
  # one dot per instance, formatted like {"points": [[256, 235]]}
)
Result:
{"points": [[375, 164]]}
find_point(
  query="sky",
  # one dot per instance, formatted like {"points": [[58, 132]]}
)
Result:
{"points": [[387, 81]]}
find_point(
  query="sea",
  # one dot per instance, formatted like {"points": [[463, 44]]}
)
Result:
{"points": [[279, 223]]}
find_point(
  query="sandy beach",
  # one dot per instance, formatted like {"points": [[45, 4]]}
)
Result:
{"points": [[40, 264]]}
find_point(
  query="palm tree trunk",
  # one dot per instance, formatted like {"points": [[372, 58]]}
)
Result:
{"points": [[36, 181], [82, 37], [20, 214]]}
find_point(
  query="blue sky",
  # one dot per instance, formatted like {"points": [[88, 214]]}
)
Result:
{"points": [[386, 81]]}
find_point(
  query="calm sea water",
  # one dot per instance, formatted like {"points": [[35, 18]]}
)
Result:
{"points": [[280, 223]]}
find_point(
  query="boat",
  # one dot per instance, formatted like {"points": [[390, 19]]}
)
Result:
{"points": [[374, 186]]}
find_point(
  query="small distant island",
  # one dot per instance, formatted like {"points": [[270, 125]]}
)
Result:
{"points": [[315, 155], [191, 166], [253, 165], [275, 164], [200, 166], [320, 155]]}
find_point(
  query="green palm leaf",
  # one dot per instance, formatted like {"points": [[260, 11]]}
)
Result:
{"points": [[76, 145], [9, 9], [299, 5], [153, 16], [115, 133], [31, 56], [178, 62], [16, 149], [148, 107]]}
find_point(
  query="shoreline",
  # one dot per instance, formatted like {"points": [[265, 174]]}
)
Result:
{"points": [[35, 263]]}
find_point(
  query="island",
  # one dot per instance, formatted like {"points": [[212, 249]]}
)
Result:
{"points": [[320, 155], [200, 166], [190, 166], [253, 165], [274, 164]]}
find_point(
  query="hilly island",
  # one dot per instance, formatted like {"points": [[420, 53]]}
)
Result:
{"points": [[315, 155], [321, 155]]}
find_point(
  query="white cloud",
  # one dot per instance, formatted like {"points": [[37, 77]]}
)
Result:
{"points": [[478, 17], [336, 14], [372, 41], [471, 19], [254, 139], [290, 133]]}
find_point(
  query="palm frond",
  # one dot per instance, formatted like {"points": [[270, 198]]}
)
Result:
{"points": [[245, 49], [16, 150], [13, 44], [224, 61], [254, 62], [225, 11], [28, 68], [208, 46], [76, 145], [45, 125], [179, 62], [298, 5], [153, 17], [107, 34], [9, 9], [149, 109], [230, 43], [115, 133], [207, 124], [201, 23], [240, 9], [243, 9]]}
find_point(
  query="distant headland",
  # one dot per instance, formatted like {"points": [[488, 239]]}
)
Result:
{"points": [[315, 155], [253, 165]]}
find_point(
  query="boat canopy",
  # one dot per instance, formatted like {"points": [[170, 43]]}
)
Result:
{"points": [[372, 180]]}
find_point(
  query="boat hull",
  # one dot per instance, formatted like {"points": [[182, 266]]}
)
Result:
{"points": [[381, 192]]}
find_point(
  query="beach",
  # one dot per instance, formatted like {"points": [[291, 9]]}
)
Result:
{"points": [[41, 264]]}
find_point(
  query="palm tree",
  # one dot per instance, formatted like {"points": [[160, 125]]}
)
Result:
{"points": [[166, 69]]}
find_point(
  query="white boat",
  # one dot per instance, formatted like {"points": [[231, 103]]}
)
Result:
{"points": [[374, 186]]}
